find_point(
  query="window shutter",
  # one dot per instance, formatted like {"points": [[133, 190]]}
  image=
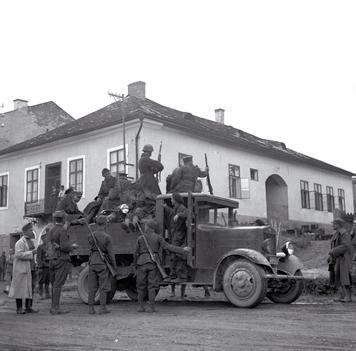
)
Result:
{"points": [[312, 199], [325, 202]]}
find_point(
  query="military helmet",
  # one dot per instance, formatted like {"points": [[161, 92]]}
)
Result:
{"points": [[147, 148]]}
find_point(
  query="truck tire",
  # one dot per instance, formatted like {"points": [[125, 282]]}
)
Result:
{"points": [[82, 287], [290, 291], [244, 283]]}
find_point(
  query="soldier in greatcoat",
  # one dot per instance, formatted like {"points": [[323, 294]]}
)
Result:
{"points": [[184, 178], [148, 169], [340, 260], [58, 250], [99, 274], [22, 278], [176, 217], [147, 277]]}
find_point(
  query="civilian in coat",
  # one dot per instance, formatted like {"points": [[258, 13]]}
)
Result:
{"points": [[21, 285], [340, 260], [148, 169]]}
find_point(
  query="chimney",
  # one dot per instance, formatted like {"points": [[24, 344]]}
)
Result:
{"points": [[137, 89], [19, 103], [219, 115]]}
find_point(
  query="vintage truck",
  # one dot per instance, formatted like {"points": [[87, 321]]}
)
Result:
{"points": [[240, 261]]}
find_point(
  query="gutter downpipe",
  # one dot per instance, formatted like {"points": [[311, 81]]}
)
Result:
{"points": [[137, 138]]}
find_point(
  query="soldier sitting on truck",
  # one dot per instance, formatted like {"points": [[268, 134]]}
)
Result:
{"points": [[68, 204], [176, 217]]}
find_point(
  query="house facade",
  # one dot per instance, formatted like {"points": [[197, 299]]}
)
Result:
{"points": [[269, 180]]}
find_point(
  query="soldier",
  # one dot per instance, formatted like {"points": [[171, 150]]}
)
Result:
{"points": [[43, 268], [147, 272], [108, 196], [340, 260], [58, 249], [22, 285], [68, 204], [148, 168], [176, 218], [9, 267], [184, 178], [99, 274]]}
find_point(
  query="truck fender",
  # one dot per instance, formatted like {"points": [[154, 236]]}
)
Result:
{"points": [[289, 265], [249, 254]]}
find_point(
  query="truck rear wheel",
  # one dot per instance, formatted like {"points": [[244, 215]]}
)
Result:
{"points": [[83, 291], [244, 283], [290, 291]]}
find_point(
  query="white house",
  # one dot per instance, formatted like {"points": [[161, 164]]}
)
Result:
{"points": [[270, 180]]}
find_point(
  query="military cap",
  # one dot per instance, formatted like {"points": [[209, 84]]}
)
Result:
{"points": [[187, 159], [178, 198], [26, 227], [70, 190], [104, 171], [59, 214], [338, 221], [147, 148], [152, 223], [101, 219]]}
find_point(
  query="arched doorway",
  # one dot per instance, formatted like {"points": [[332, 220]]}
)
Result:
{"points": [[277, 198]]}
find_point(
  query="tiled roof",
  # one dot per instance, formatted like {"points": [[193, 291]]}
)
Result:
{"points": [[138, 108], [34, 120]]}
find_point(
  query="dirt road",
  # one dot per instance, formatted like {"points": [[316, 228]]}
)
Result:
{"points": [[196, 324]]}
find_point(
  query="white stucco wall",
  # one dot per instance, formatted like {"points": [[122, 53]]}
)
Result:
{"points": [[94, 147]]}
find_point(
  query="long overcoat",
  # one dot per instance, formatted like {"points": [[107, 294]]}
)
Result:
{"points": [[148, 168], [342, 251], [21, 285]]}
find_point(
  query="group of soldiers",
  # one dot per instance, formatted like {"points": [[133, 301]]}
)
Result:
{"points": [[53, 255]]}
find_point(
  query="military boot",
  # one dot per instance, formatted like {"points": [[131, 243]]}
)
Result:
{"points": [[91, 309], [29, 309], [151, 307], [347, 297], [56, 296], [341, 295], [103, 309]]}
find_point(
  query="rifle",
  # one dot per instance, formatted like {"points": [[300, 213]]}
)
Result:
{"points": [[208, 176], [158, 175], [102, 256], [153, 257]]}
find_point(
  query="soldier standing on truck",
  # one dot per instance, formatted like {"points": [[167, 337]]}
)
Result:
{"points": [[177, 217], [184, 178], [147, 277], [99, 274], [148, 169], [58, 249]]}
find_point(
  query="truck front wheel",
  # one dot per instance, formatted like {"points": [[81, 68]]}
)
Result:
{"points": [[244, 283]]}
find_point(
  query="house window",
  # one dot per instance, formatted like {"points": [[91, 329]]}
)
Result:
{"points": [[341, 196], [318, 197], [116, 161], [4, 183], [32, 185], [304, 190], [254, 174], [180, 159], [330, 200], [234, 181], [76, 170]]}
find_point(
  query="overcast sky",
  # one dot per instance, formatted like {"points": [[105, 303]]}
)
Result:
{"points": [[282, 70]]}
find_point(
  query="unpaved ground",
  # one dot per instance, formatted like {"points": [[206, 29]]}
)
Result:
{"points": [[196, 324]]}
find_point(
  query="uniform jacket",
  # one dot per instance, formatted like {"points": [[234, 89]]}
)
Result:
{"points": [[342, 251], [109, 187], [156, 243], [104, 242], [21, 284], [42, 258], [184, 178], [68, 205], [148, 168], [178, 230], [59, 236]]}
